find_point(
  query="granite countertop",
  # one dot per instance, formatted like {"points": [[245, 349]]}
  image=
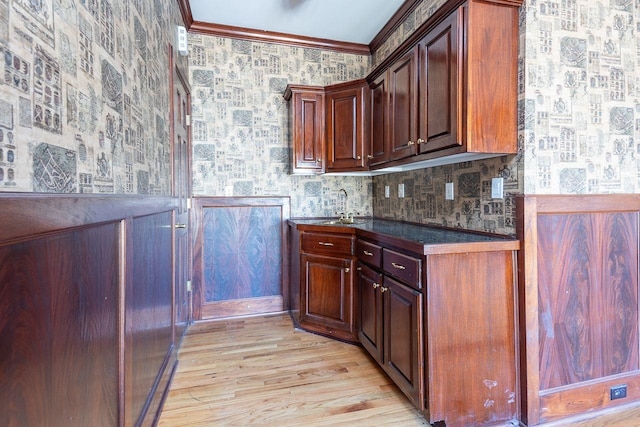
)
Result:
{"points": [[422, 235]]}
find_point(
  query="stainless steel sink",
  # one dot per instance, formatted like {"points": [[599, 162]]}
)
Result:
{"points": [[342, 221]]}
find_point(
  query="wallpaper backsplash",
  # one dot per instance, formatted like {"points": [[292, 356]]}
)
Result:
{"points": [[84, 99], [240, 123], [473, 208]]}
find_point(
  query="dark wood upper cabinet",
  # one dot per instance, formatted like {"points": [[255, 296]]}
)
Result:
{"points": [[379, 121], [440, 85], [306, 121], [346, 107], [452, 94], [447, 94], [403, 103]]}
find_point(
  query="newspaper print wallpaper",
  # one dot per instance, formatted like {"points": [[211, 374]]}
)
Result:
{"points": [[240, 123], [84, 99]]}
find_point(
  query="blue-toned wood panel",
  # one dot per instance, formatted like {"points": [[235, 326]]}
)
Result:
{"points": [[242, 252]]}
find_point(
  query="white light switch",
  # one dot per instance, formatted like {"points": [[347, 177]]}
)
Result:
{"points": [[401, 190], [497, 188], [448, 191], [386, 191]]}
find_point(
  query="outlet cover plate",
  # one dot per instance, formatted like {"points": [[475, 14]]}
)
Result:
{"points": [[497, 188], [401, 191], [386, 191], [448, 191]]}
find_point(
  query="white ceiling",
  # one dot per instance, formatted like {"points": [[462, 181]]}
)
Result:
{"points": [[354, 21]]}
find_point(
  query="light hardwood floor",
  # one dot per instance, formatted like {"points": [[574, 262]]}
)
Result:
{"points": [[259, 371]]}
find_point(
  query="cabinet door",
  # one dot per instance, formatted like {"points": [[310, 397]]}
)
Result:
{"points": [[308, 131], [440, 87], [327, 300], [345, 128], [370, 332], [379, 121], [403, 339], [403, 99]]}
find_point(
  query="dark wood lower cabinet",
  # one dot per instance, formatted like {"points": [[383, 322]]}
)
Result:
{"points": [[328, 295], [442, 326], [440, 319], [403, 339], [370, 332]]}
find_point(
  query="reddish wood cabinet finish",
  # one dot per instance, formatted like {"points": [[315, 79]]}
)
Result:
{"points": [[440, 86], [403, 106], [451, 88], [378, 121], [403, 339], [306, 121], [391, 317], [327, 296], [371, 311], [441, 321], [346, 126]]}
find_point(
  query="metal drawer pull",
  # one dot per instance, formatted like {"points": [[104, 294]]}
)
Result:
{"points": [[325, 243], [346, 270], [367, 253], [398, 266], [376, 285], [383, 289]]}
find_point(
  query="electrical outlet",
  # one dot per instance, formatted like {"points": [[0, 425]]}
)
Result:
{"points": [[401, 190], [386, 191], [448, 191], [618, 392], [497, 188]]}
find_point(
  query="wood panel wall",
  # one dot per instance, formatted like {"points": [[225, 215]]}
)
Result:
{"points": [[579, 304], [240, 256], [86, 309]]}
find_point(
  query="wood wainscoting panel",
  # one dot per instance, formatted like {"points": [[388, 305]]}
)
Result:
{"points": [[86, 308], [578, 297], [588, 302], [149, 312], [240, 262], [59, 328]]}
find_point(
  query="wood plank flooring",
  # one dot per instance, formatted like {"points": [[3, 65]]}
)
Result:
{"points": [[259, 371]]}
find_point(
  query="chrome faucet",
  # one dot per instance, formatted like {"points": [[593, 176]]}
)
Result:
{"points": [[345, 217]]}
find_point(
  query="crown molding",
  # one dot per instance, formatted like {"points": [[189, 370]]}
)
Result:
{"points": [[185, 11], [206, 28], [393, 23]]}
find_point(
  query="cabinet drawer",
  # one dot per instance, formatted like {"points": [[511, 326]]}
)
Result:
{"points": [[404, 267], [324, 243], [369, 253]]}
